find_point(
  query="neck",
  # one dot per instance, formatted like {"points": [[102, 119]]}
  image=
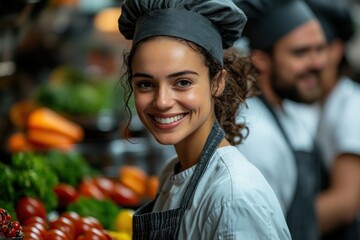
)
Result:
{"points": [[189, 150], [269, 95]]}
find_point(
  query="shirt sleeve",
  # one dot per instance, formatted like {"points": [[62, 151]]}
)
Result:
{"points": [[347, 133], [234, 220]]}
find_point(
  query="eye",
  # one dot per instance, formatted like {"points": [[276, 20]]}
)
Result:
{"points": [[144, 85], [183, 83], [299, 52]]}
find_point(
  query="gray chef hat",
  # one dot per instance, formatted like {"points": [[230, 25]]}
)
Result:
{"points": [[270, 20], [335, 19], [212, 24]]}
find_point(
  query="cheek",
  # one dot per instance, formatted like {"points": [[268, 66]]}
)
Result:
{"points": [[141, 101], [195, 100], [290, 68]]}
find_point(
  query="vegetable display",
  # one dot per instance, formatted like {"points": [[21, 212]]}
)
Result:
{"points": [[103, 210], [89, 95], [9, 229], [37, 174], [27, 174], [45, 129]]}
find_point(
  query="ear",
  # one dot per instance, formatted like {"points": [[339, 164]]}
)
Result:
{"points": [[219, 84], [261, 60], [337, 50]]}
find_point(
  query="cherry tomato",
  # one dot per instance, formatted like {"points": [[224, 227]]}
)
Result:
{"points": [[32, 232], [32, 236], [95, 223], [66, 194], [42, 229], [73, 216], [81, 225], [27, 207], [106, 185], [89, 189], [107, 235], [55, 234], [124, 196], [36, 219], [65, 225], [94, 234]]}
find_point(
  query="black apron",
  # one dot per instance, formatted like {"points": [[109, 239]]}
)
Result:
{"points": [[301, 215], [166, 224], [349, 231]]}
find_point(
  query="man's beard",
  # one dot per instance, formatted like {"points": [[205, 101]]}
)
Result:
{"points": [[290, 91]]}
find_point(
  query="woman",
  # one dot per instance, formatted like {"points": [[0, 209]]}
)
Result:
{"points": [[185, 97]]}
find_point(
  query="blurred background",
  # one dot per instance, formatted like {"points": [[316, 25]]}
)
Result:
{"points": [[67, 55], [64, 58]]}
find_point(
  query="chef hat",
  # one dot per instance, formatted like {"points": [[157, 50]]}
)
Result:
{"points": [[212, 24], [335, 19], [270, 20]]}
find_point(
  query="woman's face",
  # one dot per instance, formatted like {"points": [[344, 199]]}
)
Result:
{"points": [[171, 90]]}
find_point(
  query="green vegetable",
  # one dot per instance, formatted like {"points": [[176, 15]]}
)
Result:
{"points": [[88, 95], [27, 174], [7, 191], [70, 167], [104, 210], [34, 178]]}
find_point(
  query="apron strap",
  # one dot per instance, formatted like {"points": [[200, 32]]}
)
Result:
{"points": [[215, 137], [271, 110]]}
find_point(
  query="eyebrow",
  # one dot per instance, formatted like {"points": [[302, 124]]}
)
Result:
{"points": [[177, 74]]}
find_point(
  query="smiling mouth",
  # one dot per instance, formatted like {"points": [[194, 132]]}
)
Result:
{"points": [[169, 120]]}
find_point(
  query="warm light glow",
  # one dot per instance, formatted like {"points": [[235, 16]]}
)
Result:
{"points": [[106, 20]]}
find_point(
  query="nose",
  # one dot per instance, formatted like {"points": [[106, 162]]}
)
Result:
{"points": [[318, 59], [163, 98]]}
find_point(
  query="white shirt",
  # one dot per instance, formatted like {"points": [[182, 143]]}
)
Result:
{"points": [[339, 127], [267, 149], [232, 200]]}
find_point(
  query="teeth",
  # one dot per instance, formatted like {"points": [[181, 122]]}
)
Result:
{"points": [[169, 120]]}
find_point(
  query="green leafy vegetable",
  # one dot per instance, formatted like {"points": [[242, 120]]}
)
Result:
{"points": [[89, 95], [70, 167], [27, 175], [104, 210]]}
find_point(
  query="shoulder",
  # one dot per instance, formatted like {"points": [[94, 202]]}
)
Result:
{"points": [[234, 177], [237, 198]]}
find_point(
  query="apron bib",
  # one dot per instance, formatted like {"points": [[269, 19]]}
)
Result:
{"points": [[301, 216], [166, 224]]}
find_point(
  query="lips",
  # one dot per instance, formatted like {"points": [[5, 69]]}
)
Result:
{"points": [[169, 120]]}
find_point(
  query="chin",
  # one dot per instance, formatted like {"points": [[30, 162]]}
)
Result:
{"points": [[166, 140]]}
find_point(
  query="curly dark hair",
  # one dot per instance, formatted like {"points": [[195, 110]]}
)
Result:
{"points": [[240, 84]]}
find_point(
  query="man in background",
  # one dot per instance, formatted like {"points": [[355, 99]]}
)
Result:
{"points": [[287, 46], [339, 128]]}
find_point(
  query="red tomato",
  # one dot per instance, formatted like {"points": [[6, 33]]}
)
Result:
{"points": [[89, 189], [65, 225], [66, 194], [95, 223], [106, 185], [27, 207], [32, 236], [124, 196], [36, 219], [94, 234], [107, 235], [81, 225], [55, 234], [42, 229], [32, 231], [73, 216]]}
